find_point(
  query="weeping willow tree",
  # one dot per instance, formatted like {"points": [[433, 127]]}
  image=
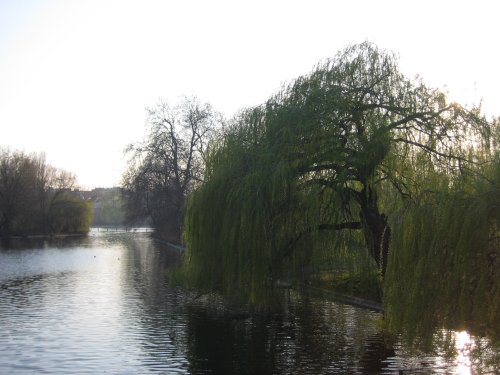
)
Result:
{"points": [[447, 242], [320, 167]]}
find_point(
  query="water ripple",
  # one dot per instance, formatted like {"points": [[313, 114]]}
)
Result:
{"points": [[102, 305]]}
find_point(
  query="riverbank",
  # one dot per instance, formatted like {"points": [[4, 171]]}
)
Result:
{"points": [[42, 236], [342, 298]]}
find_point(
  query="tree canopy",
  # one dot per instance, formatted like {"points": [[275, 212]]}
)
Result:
{"points": [[169, 162], [36, 198], [325, 164]]}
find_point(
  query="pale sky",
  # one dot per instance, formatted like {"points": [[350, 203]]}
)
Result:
{"points": [[77, 75]]}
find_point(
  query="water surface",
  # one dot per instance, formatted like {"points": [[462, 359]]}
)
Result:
{"points": [[102, 304]]}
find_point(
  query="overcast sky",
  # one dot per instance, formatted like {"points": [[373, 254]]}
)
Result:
{"points": [[77, 75]]}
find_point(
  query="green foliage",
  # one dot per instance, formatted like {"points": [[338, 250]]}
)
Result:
{"points": [[36, 198], [364, 285], [313, 179], [110, 208], [70, 214], [445, 258]]}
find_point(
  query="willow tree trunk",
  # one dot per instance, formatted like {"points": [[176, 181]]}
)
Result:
{"points": [[376, 230]]}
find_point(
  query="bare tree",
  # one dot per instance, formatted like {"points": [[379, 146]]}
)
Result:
{"points": [[167, 165]]}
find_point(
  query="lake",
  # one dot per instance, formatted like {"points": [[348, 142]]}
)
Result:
{"points": [[102, 304]]}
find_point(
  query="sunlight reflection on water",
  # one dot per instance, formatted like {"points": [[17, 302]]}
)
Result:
{"points": [[463, 345]]}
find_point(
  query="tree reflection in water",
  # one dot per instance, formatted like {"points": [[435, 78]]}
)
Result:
{"points": [[76, 305]]}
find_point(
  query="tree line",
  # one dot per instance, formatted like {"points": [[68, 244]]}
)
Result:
{"points": [[37, 198], [351, 160], [109, 207]]}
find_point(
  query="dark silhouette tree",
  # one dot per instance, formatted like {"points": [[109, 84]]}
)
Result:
{"points": [[167, 165]]}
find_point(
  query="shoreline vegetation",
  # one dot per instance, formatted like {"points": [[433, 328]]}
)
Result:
{"points": [[38, 199], [352, 177], [352, 180]]}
